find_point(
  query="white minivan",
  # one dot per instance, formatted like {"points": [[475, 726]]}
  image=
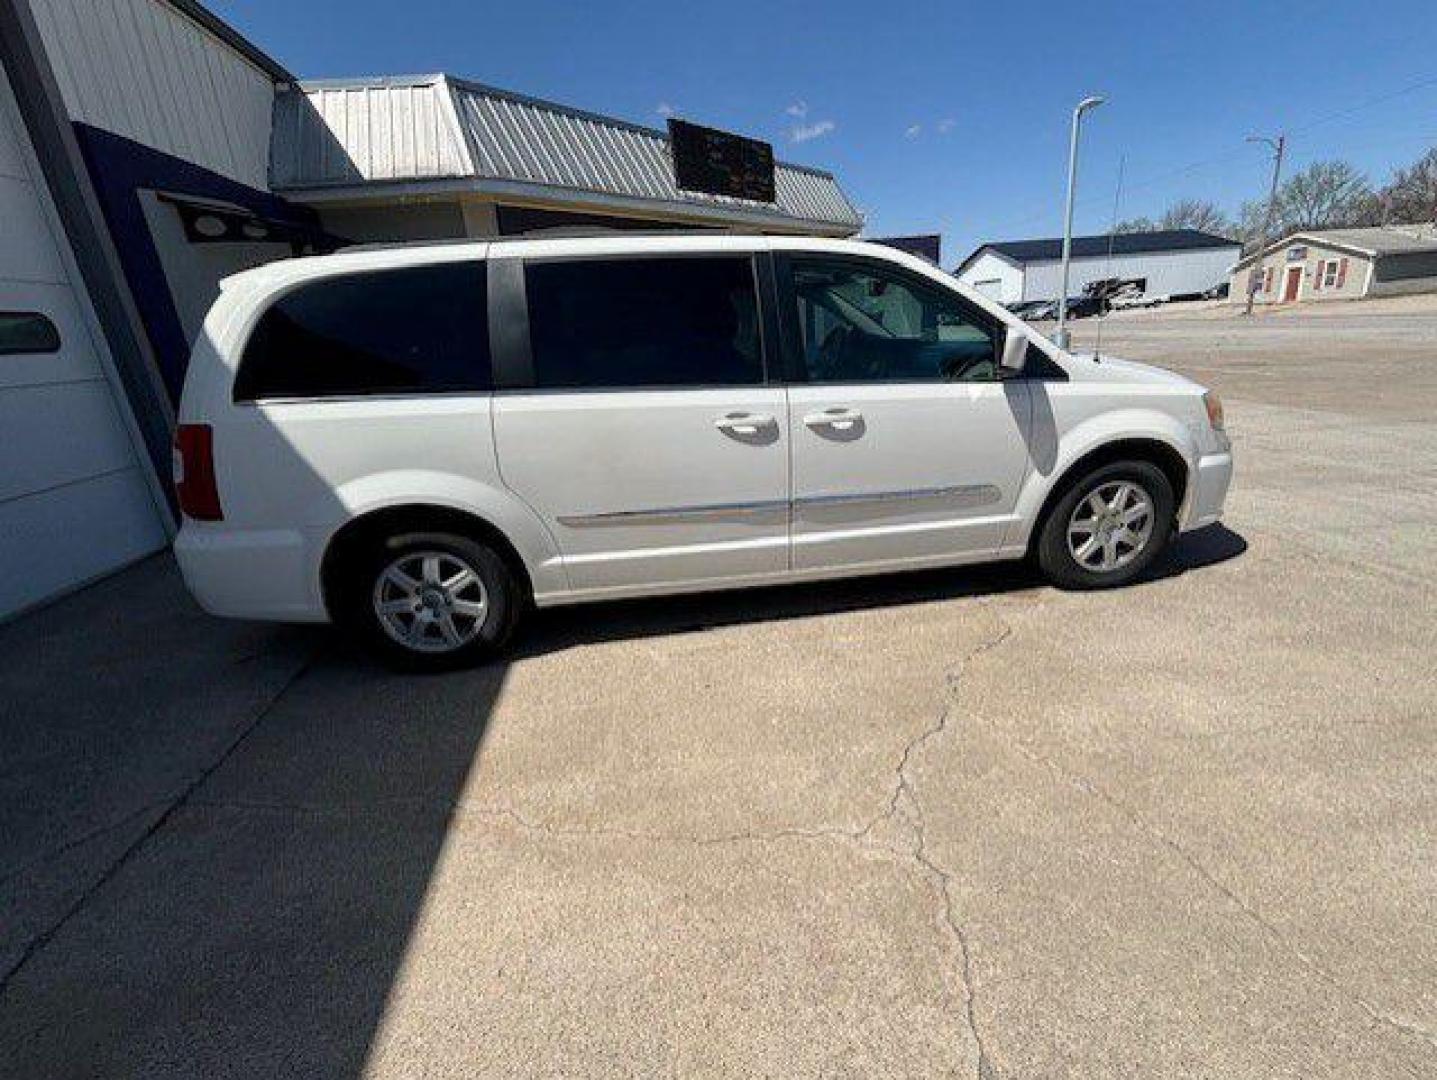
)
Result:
{"points": [[422, 441]]}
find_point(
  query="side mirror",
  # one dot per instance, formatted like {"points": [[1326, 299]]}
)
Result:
{"points": [[1015, 350]]}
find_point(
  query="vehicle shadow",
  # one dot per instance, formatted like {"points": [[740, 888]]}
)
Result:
{"points": [[560, 628], [218, 836], [225, 833]]}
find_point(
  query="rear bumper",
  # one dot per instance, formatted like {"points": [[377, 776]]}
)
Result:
{"points": [[1210, 482], [251, 574]]}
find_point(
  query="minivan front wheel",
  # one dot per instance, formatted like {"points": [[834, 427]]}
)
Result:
{"points": [[1108, 527], [432, 601]]}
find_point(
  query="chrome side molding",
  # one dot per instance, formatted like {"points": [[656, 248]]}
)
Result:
{"points": [[676, 515], [967, 496]]}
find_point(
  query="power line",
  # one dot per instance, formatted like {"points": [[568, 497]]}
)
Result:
{"points": [[1241, 151], [1377, 100]]}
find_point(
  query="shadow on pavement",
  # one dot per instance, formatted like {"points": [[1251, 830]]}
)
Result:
{"points": [[218, 837], [560, 628]]}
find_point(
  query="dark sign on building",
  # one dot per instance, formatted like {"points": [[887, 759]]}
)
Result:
{"points": [[926, 247], [720, 163]]}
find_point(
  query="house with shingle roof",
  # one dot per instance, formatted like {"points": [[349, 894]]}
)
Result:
{"points": [[1340, 264]]}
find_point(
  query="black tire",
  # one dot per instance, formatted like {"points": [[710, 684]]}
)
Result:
{"points": [[470, 638], [1059, 560]]}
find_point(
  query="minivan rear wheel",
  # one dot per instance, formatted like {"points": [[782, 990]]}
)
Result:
{"points": [[1108, 526], [432, 601]]}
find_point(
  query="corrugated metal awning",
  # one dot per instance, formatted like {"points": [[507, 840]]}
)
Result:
{"points": [[331, 136]]}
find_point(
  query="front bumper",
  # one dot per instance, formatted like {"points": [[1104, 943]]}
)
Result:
{"points": [[1208, 490]]}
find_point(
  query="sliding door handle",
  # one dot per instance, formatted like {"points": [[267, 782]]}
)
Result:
{"points": [[839, 418], [745, 423]]}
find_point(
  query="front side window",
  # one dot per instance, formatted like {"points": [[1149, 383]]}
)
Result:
{"points": [[27, 332], [862, 322], [417, 329], [1329, 274], [607, 323]]}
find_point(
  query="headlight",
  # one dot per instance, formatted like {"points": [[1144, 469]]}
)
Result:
{"points": [[1214, 410]]}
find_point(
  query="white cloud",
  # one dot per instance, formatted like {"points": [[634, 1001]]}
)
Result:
{"points": [[805, 132], [663, 108], [912, 131], [946, 125], [798, 109]]}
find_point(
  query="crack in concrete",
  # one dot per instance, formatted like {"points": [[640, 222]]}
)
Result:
{"points": [[905, 791], [39, 941], [904, 794], [462, 811], [66, 846], [1097, 791], [1142, 825]]}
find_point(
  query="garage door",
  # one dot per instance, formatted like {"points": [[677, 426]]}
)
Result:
{"points": [[74, 503]]}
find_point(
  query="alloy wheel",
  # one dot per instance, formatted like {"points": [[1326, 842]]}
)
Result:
{"points": [[430, 601], [1111, 526]]}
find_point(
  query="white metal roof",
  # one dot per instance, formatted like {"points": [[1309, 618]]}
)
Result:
{"points": [[332, 136]]}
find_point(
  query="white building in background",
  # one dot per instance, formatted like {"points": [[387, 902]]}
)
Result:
{"points": [[148, 150], [1172, 262]]}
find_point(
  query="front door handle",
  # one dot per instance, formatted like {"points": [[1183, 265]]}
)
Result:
{"points": [[839, 418], [745, 423]]}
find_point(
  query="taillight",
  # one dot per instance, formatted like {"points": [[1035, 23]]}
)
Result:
{"points": [[195, 472]]}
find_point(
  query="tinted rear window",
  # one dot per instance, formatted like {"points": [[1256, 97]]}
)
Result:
{"points": [[597, 323], [410, 330]]}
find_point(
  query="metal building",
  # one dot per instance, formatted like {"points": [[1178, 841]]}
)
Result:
{"points": [[1172, 262], [147, 151], [481, 161]]}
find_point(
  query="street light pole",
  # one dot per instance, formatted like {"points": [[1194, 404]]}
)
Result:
{"points": [[1279, 145], [1061, 335]]}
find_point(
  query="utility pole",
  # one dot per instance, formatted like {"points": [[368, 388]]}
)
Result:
{"points": [[1279, 145], [1061, 336]]}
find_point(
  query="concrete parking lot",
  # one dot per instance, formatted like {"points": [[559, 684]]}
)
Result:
{"points": [[943, 824]]}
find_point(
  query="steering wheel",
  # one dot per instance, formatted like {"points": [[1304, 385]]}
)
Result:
{"points": [[958, 368]]}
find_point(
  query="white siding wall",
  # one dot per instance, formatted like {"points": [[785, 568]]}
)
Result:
{"points": [[989, 267], [1166, 273], [140, 69], [74, 502]]}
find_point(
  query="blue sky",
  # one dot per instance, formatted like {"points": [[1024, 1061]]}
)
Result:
{"points": [[947, 117]]}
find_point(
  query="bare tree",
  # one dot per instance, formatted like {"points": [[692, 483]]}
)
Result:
{"points": [[1251, 219], [1411, 197], [1135, 225], [1325, 194], [1195, 214]]}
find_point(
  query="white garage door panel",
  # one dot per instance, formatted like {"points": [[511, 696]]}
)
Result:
{"points": [[27, 251], [106, 522], [76, 359], [59, 434], [74, 503]]}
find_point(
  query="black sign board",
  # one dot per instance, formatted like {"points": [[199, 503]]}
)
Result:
{"points": [[720, 163], [928, 247]]}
